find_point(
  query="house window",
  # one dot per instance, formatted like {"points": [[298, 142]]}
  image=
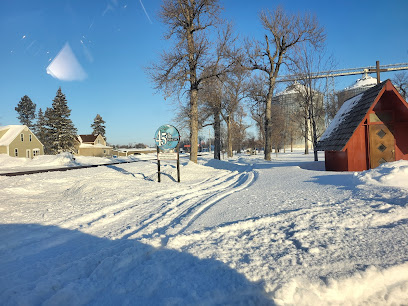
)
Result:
{"points": [[16, 152], [22, 137], [29, 137], [36, 152]]}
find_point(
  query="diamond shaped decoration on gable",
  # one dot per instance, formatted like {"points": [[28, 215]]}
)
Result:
{"points": [[382, 148], [382, 161], [381, 133]]}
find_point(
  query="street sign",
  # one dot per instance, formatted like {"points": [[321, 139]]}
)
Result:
{"points": [[167, 156], [167, 139]]}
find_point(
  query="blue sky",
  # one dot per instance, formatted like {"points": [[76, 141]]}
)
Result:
{"points": [[113, 40]]}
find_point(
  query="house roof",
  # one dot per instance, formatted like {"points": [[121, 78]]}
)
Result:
{"points": [[348, 119], [88, 138], [12, 132]]}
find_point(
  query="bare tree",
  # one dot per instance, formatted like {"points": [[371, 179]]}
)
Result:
{"points": [[211, 97], [307, 62], [239, 127], [285, 31], [400, 80], [186, 65], [222, 97], [257, 92], [235, 89], [278, 127]]}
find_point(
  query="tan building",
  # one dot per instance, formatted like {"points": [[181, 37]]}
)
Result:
{"points": [[92, 145], [19, 141]]}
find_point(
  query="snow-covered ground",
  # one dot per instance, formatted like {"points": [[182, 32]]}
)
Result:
{"points": [[242, 231]]}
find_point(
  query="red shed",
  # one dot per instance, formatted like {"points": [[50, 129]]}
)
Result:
{"points": [[368, 130]]}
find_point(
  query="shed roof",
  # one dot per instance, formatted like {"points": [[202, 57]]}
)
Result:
{"points": [[12, 132], [348, 119], [88, 138]]}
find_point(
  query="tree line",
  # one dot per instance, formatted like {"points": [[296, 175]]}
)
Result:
{"points": [[212, 72], [53, 127]]}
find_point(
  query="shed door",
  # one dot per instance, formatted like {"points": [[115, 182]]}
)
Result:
{"points": [[382, 145]]}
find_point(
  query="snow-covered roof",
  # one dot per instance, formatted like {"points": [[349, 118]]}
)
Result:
{"points": [[341, 115], [12, 132], [348, 119]]}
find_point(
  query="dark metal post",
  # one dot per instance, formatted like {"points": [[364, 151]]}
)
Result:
{"points": [[158, 164], [178, 163], [377, 67]]}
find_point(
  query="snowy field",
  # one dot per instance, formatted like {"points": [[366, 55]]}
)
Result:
{"points": [[234, 232]]}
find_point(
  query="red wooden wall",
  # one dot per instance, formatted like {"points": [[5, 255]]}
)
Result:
{"points": [[355, 155]]}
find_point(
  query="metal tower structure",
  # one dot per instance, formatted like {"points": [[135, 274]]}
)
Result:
{"points": [[344, 72]]}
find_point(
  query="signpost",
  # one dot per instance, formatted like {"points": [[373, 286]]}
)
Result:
{"points": [[167, 139]]}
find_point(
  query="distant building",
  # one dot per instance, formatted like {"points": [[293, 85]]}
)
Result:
{"points": [[358, 87], [19, 141], [290, 103], [92, 145]]}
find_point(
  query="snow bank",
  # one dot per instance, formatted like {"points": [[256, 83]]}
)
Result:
{"points": [[393, 174], [60, 160], [371, 287], [8, 163]]}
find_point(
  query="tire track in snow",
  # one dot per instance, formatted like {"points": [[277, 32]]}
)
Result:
{"points": [[186, 208], [111, 214], [176, 211]]}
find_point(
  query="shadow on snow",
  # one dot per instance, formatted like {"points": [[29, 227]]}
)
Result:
{"points": [[54, 266]]}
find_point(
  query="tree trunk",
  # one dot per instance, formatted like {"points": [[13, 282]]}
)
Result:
{"points": [[314, 136], [291, 142], [268, 123], [217, 134], [314, 131], [229, 137], [306, 136], [193, 125]]}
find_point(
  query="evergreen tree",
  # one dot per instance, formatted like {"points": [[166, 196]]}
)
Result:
{"points": [[61, 133], [26, 111], [98, 126], [40, 129]]}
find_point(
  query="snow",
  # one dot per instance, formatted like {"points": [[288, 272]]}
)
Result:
{"points": [[389, 174], [98, 145], [12, 132], [63, 160], [365, 81], [340, 115], [238, 231], [296, 88]]}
